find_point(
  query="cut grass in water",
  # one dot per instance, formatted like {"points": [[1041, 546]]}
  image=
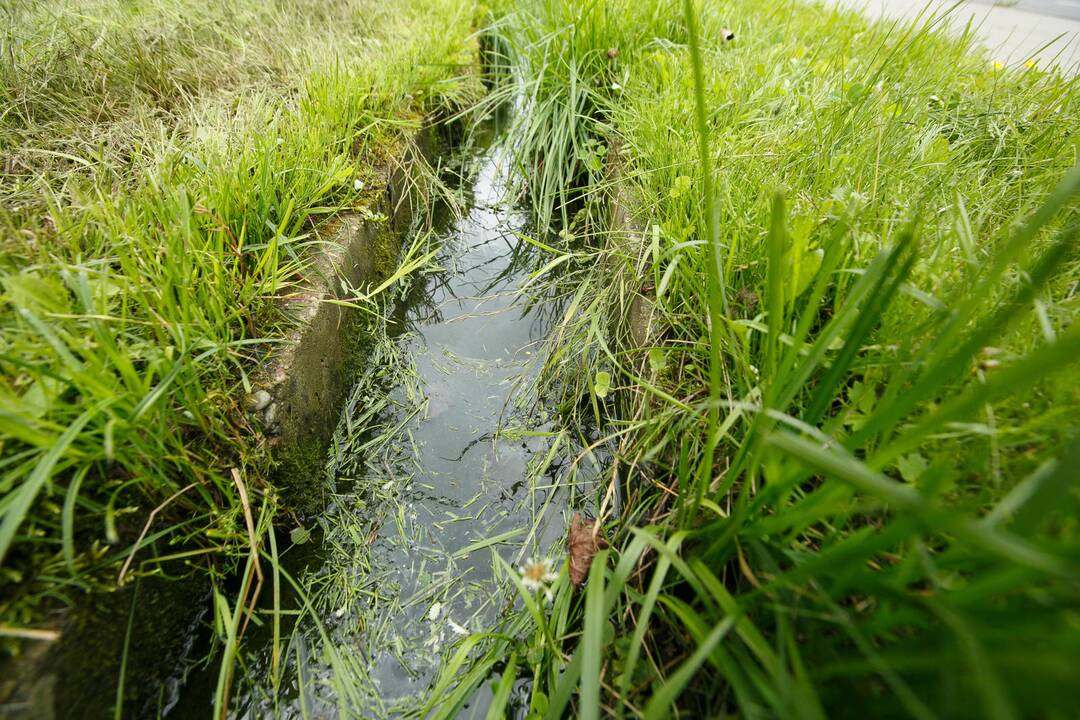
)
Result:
{"points": [[448, 477]]}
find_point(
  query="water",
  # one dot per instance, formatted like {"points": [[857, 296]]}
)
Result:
{"points": [[462, 460]]}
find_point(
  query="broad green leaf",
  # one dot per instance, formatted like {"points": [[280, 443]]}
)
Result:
{"points": [[602, 384], [592, 640], [681, 186], [804, 270], [657, 359], [911, 467]]}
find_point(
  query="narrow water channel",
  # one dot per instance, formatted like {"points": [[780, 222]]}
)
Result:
{"points": [[444, 454]]}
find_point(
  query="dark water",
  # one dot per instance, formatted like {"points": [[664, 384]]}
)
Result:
{"points": [[463, 460]]}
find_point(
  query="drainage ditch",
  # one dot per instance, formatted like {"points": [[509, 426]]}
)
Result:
{"points": [[444, 456]]}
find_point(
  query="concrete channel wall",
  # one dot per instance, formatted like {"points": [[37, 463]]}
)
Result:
{"points": [[297, 399]]}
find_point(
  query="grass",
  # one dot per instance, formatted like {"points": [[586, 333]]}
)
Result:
{"points": [[166, 166], [845, 434], [829, 335]]}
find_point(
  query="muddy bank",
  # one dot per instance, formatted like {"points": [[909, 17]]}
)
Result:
{"points": [[78, 674]]}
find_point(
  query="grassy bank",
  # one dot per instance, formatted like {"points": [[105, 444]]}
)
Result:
{"points": [[166, 166], [837, 357]]}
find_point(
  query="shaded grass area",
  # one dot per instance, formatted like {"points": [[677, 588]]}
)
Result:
{"points": [[846, 409], [166, 166]]}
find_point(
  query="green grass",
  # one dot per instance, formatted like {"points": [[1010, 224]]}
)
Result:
{"points": [[833, 345], [166, 165], [847, 438]]}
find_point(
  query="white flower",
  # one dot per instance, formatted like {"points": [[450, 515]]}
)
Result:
{"points": [[536, 574], [435, 611], [358, 184]]}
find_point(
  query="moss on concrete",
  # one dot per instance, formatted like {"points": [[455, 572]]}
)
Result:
{"points": [[299, 473], [79, 675], [310, 381]]}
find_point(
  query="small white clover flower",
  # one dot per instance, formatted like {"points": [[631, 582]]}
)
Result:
{"points": [[358, 184], [537, 573]]}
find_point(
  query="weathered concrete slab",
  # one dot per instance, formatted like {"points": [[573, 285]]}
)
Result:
{"points": [[308, 377]]}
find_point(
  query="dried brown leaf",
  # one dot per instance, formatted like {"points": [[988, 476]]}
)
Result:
{"points": [[583, 543]]}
